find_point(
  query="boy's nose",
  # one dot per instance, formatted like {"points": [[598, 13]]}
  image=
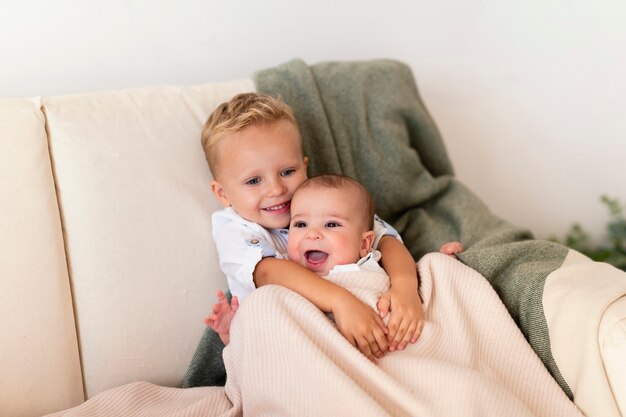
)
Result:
{"points": [[276, 188]]}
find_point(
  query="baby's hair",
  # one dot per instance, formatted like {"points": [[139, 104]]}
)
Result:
{"points": [[240, 112], [340, 182]]}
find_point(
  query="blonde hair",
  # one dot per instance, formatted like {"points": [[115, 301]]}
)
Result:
{"points": [[233, 116], [341, 182]]}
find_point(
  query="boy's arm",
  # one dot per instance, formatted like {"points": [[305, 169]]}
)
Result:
{"points": [[356, 321], [407, 316]]}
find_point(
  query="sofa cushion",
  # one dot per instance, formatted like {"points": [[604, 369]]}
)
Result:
{"points": [[133, 187], [39, 362]]}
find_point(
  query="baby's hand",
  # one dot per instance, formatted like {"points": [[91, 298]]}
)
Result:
{"points": [[452, 248], [221, 316], [361, 325], [407, 316]]}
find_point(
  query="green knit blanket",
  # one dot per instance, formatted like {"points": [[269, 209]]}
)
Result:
{"points": [[367, 120]]}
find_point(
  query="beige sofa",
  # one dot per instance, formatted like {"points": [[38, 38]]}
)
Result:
{"points": [[96, 289], [107, 264]]}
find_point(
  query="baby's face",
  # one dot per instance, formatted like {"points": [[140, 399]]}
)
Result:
{"points": [[326, 230], [260, 169]]}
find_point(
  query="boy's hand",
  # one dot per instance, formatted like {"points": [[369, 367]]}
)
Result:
{"points": [[361, 325], [407, 316], [221, 316]]}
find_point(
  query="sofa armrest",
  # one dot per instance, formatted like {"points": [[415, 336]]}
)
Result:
{"points": [[612, 339], [585, 309]]}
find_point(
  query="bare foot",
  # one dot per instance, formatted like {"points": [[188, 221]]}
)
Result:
{"points": [[452, 248]]}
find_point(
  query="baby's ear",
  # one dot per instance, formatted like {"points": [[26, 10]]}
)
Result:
{"points": [[367, 241], [218, 190]]}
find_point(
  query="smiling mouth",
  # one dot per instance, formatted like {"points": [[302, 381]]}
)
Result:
{"points": [[279, 207], [315, 257]]}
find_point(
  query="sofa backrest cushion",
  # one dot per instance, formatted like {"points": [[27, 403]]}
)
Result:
{"points": [[134, 193], [39, 361]]}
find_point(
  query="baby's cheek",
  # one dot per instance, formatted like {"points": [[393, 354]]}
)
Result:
{"points": [[292, 248]]}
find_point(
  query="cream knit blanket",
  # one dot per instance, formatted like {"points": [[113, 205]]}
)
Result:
{"points": [[287, 359]]}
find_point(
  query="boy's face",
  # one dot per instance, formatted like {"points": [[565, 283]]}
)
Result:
{"points": [[326, 229], [260, 169]]}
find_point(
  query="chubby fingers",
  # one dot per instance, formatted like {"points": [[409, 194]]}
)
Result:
{"points": [[372, 342], [402, 333], [418, 330], [408, 332], [383, 305], [210, 320], [217, 308], [380, 339], [396, 333], [373, 347], [364, 346]]}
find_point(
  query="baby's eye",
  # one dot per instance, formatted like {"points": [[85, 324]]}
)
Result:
{"points": [[287, 172], [332, 225], [253, 181], [299, 224]]}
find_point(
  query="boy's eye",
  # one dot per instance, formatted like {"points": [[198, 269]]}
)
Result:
{"points": [[332, 225], [299, 224], [287, 172], [253, 181]]}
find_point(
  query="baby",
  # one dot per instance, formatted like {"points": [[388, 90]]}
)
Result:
{"points": [[331, 233], [331, 225]]}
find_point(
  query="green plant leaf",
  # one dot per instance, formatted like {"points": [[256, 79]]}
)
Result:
{"points": [[614, 250]]}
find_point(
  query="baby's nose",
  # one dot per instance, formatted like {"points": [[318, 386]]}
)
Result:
{"points": [[313, 233]]}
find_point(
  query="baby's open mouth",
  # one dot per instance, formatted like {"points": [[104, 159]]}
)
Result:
{"points": [[315, 257]]}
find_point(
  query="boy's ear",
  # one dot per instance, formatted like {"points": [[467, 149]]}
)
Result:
{"points": [[218, 190], [367, 241], [306, 161]]}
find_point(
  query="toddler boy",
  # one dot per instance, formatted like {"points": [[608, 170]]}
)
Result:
{"points": [[253, 147]]}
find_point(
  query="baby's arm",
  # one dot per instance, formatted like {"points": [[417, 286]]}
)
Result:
{"points": [[402, 299], [356, 321], [221, 316]]}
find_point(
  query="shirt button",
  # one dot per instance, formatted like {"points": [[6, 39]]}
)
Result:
{"points": [[254, 241]]}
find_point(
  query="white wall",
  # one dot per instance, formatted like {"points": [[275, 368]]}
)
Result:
{"points": [[529, 96]]}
